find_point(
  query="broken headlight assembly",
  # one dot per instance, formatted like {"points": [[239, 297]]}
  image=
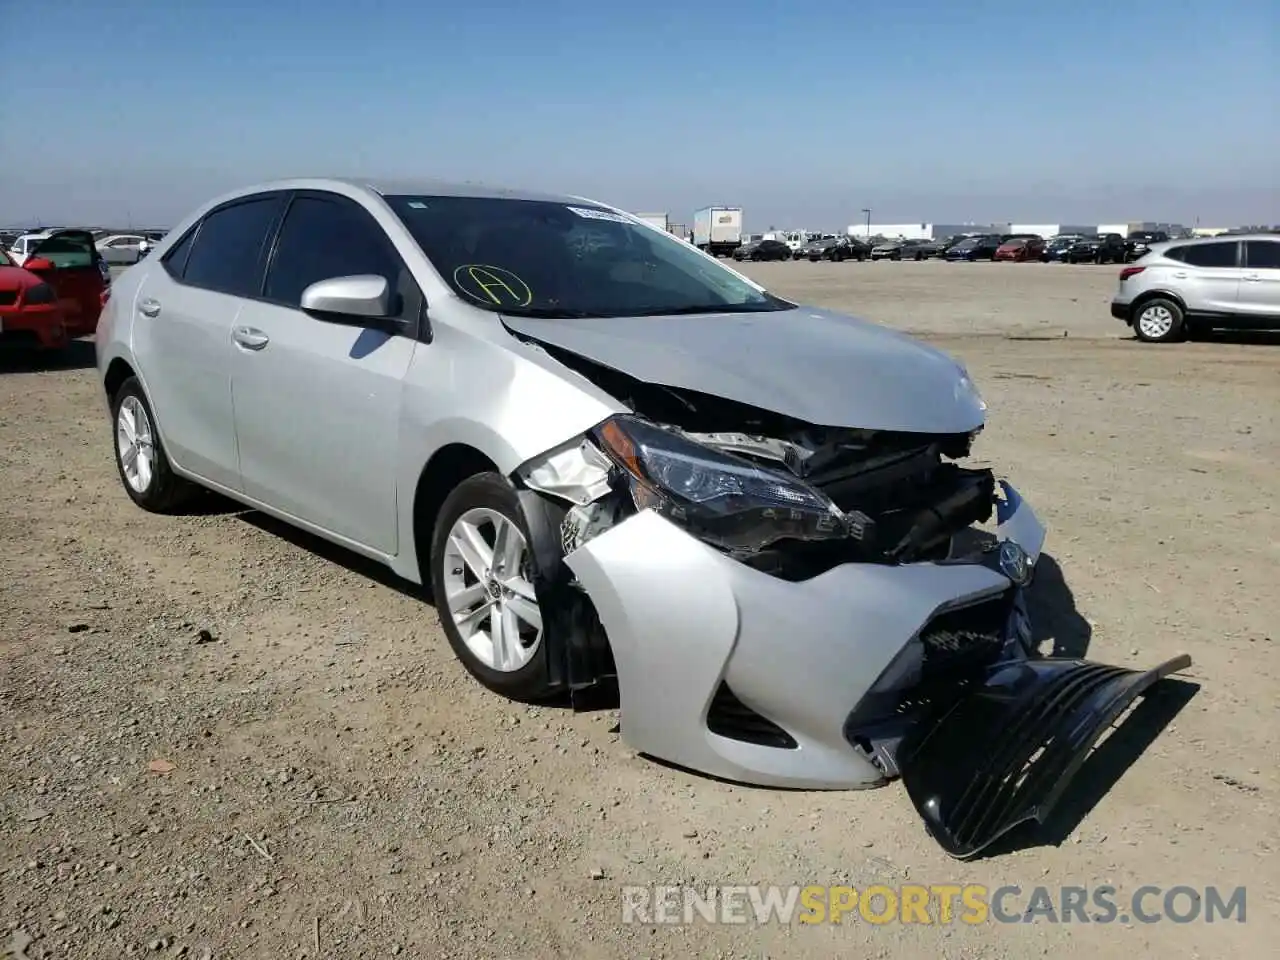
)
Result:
{"points": [[724, 500]]}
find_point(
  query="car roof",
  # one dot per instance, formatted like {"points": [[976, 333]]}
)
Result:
{"points": [[1225, 237], [386, 187]]}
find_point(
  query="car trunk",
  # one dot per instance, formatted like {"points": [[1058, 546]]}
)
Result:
{"points": [[75, 271]]}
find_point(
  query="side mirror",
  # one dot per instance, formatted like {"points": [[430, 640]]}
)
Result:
{"points": [[38, 263], [349, 299]]}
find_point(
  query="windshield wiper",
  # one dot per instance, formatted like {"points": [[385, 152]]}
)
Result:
{"points": [[705, 308], [549, 313]]}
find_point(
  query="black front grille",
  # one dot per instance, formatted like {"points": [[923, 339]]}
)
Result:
{"points": [[959, 640], [730, 717], [8, 298]]}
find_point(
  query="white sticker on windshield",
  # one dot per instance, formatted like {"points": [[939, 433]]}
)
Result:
{"points": [[589, 214]]}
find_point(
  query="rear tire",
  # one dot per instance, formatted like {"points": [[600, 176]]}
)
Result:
{"points": [[1159, 321], [141, 460], [516, 666]]}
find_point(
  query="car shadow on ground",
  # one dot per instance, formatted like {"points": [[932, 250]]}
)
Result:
{"points": [[1258, 338], [330, 552], [20, 358]]}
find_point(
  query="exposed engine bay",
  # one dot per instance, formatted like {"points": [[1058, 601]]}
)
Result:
{"points": [[898, 497]]}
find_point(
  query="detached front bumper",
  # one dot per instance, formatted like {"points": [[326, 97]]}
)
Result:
{"points": [[703, 643], [735, 673]]}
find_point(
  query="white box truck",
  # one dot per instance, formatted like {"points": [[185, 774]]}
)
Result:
{"points": [[659, 220], [717, 230]]}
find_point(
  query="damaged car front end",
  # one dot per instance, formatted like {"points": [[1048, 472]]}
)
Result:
{"points": [[803, 606]]}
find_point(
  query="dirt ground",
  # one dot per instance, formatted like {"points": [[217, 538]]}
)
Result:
{"points": [[396, 808]]}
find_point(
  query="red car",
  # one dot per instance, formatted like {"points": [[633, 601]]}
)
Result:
{"points": [[1020, 249], [56, 295]]}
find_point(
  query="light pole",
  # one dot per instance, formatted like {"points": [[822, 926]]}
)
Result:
{"points": [[867, 211]]}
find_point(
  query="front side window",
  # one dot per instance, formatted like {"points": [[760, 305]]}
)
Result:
{"points": [[325, 238], [1263, 254], [227, 252], [552, 259], [1210, 255]]}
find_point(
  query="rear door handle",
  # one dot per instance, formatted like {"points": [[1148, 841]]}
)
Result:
{"points": [[1252, 277], [149, 307], [1180, 276], [250, 338]]}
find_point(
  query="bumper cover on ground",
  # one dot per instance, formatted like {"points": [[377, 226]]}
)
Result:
{"points": [[684, 619], [1004, 752]]}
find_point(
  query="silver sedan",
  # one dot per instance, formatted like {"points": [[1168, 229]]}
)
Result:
{"points": [[612, 459]]}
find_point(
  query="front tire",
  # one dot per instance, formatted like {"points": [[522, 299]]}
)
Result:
{"points": [[141, 460], [483, 572], [1159, 321]]}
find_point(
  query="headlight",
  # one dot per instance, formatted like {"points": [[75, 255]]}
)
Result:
{"points": [[724, 500], [40, 293]]}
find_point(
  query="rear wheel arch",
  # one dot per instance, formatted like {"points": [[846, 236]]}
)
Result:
{"points": [[1147, 296]]}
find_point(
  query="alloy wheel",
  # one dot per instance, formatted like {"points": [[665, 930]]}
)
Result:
{"points": [[135, 440], [488, 589], [1155, 321]]}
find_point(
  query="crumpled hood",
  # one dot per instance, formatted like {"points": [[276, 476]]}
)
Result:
{"points": [[815, 365]]}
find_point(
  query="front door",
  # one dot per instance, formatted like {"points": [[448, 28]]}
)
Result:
{"points": [[317, 403]]}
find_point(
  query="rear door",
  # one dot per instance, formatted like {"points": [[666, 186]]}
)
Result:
{"points": [[1212, 279], [185, 308], [77, 273], [1260, 284]]}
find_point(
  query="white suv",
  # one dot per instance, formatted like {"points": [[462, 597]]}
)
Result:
{"points": [[1219, 282]]}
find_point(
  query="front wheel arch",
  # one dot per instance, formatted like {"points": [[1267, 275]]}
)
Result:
{"points": [[447, 468]]}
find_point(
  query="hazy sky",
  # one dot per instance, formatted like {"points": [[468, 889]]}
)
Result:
{"points": [[802, 112]]}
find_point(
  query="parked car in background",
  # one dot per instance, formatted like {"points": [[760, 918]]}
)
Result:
{"points": [[119, 249], [21, 248], [927, 249], [1056, 247], [56, 294], [1020, 249], [763, 250], [1180, 286], [847, 248], [813, 250], [982, 247], [888, 250], [1139, 242], [1098, 248]]}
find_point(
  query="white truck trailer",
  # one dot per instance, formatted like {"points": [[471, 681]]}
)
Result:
{"points": [[717, 230], [659, 220]]}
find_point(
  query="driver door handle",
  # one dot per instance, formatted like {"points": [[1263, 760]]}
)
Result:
{"points": [[149, 307], [250, 338]]}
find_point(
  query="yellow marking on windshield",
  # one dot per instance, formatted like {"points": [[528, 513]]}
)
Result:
{"points": [[501, 286]]}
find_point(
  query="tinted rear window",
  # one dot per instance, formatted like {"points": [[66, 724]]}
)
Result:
{"points": [[1209, 254]]}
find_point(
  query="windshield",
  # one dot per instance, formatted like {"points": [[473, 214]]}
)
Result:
{"points": [[1019, 242], [549, 259]]}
